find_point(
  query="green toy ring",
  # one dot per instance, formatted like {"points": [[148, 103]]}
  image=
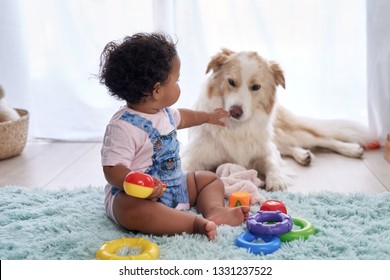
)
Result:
{"points": [[306, 230]]}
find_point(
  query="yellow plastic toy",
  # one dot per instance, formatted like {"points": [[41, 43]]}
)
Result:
{"points": [[240, 199], [149, 250]]}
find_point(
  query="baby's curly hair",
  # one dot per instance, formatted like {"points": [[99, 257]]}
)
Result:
{"points": [[131, 68]]}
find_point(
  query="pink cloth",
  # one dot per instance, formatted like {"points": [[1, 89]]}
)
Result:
{"points": [[238, 179]]}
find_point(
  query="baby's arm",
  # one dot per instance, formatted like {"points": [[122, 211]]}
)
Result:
{"points": [[191, 118], [115, 175]]}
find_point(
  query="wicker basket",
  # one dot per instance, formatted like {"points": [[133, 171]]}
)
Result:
{"points": [[13, 135]]}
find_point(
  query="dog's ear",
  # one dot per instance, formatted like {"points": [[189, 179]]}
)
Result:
{"points": [[278, 74], [218, 60]]}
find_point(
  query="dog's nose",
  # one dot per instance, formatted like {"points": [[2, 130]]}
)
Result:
{"points": [[236, 111]]}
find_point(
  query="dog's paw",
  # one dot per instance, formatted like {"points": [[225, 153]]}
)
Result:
{"points": [[352, 150], [275, 183], [303, 157]]}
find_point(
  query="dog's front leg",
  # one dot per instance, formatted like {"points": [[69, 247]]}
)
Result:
{"points": [[270, 165], [274, 180]]}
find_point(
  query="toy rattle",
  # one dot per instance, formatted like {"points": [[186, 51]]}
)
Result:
{"points": [[269, 223], [240, 199], [139, 184], [245, 240], [149, 250]]}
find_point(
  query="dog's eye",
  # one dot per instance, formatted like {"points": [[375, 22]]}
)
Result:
{"points": [[255, 87], [232, 83]]}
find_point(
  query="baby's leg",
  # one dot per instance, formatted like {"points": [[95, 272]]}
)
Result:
{"points": [[156, 218], [207, 192]]}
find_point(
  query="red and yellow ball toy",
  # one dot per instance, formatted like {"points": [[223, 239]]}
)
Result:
{"points": [[139, 184]]}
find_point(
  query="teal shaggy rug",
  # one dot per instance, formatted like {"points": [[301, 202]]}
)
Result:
{"points": [[71, 224]]}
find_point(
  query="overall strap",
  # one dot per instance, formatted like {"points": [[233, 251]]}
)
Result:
{"points": [[141, 123], [171, 120]]}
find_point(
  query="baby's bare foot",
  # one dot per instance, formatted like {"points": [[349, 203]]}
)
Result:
{"points": [[230, 216], [203, 226]]}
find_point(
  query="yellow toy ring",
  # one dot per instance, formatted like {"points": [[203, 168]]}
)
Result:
{"points": [[149, 250]]}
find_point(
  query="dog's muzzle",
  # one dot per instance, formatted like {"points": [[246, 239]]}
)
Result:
{"points": [[236, 112]]}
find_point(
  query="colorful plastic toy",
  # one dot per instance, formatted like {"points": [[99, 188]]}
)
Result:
{"points": [[240, 199], [269, 223], [139, 184], [373, 145], [273, 226], [273, 205], [245, 240], [306, 230], [149, 250]]}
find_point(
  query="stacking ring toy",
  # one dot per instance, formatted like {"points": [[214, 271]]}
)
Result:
{"points": [[245, 240], [306, 230], [273, 205], [257, 223], [149, 250]]}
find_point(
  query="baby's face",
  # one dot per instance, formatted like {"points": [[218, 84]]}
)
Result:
{"points": [[170, 90]]}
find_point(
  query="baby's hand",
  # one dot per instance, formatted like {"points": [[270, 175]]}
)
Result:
{"points": [[216, 116], [158, 190]]}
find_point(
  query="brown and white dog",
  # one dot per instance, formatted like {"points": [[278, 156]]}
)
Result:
{"points": [[258, 131]]}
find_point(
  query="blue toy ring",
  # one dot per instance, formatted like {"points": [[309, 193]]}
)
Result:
{"points": [[245, 240], [279, 223]]}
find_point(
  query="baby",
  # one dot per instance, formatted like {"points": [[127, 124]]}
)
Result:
{"points": [[144, 70]]}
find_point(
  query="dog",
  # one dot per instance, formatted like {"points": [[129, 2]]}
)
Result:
{"points": [[259, 132]]}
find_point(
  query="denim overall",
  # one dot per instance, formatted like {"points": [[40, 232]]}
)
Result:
{"points": [[166, 164]]}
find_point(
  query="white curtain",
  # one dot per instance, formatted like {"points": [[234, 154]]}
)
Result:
{"points": [[378, 52], [50, 50]]}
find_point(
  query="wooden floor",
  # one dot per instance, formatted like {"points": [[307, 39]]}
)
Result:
{"points": [[55, 165]]}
